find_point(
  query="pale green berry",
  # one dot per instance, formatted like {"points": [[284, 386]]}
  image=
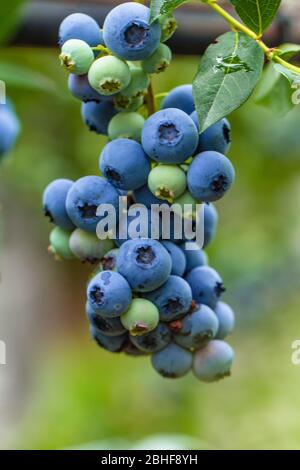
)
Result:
{"points": [[167, 182], [139, 82], [126, 125], [109, 75], [168, 26], [188, 205], [76, 56], [141, 317], [158, 61], [88, 247], [123, 103], [59, 244]]}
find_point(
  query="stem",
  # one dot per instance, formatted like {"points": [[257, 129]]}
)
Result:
{"points": [[244, 29], [150, 100]]}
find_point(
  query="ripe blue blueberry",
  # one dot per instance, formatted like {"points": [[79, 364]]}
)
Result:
{"points": [[109, 294], [210, 176], [80, 26], [154, 341], [128, 33], [206, 284], [178, 258], [59, 244], [124, 163], [109, 260], [173, 299], [197, 328], [141, 317], [88, 247], [98, 115], [131, 350], [109, 75], [213, 362], [216, 138], [54, 203], [76, 56], [83, 200], [172, 362], [194, 257], [180, 97], [9, 128], [226, 319], [145, 263], [144, 196], [81, 89], [210, 223], [169, 136], [107, 326], [110, 343]]}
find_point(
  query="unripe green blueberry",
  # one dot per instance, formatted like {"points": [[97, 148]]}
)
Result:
{"points": [[59, 244], [88, 247], [139, 82], [124, 103], [167, 182], [109, 75], [141, 317], [168, 26], [76, 56], [158, 61], [126, 125], [187, 199]]}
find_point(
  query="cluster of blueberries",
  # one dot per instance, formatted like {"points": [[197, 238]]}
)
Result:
{"points": [[145, 296], [9, 128]]}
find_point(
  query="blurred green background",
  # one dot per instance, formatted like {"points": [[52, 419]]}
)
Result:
{"points": [[58, 389]]}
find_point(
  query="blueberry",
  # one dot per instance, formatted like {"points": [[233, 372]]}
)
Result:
{"points": [[158, 61], [213, 362], [76, 56], [177, 256], [144, 196], [98, 115], [154, 341], [122, 103], [87, 247], [138, 84], [168, 26], [124, 163], [128, 32], [9, 129], [109, 75], [109, 294], [210, 176], [54, 203], [216, 138], [83, 200], [81, 89], [172, 362], [196, 328], [180, 97], [173, 299], [141, 317], [141, 230], [59, 244], [80, 26], [206, 284], [107, 326], [169, 136], [110, 343], [167, 182], [210, 223], [187, 206], [127, 125], [145, 263], [131, 350], [226, 319], [109, 260], [194, 257]]}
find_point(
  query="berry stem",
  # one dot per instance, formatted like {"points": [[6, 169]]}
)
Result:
{"points": [[150, 100], [238, 26]]}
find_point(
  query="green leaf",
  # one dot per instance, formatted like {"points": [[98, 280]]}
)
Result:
{"points": [[274, 92], [9, 17], [256, 14], [227, 76], [292, 77], [23, 77], [162, 7], [288, 51]]}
